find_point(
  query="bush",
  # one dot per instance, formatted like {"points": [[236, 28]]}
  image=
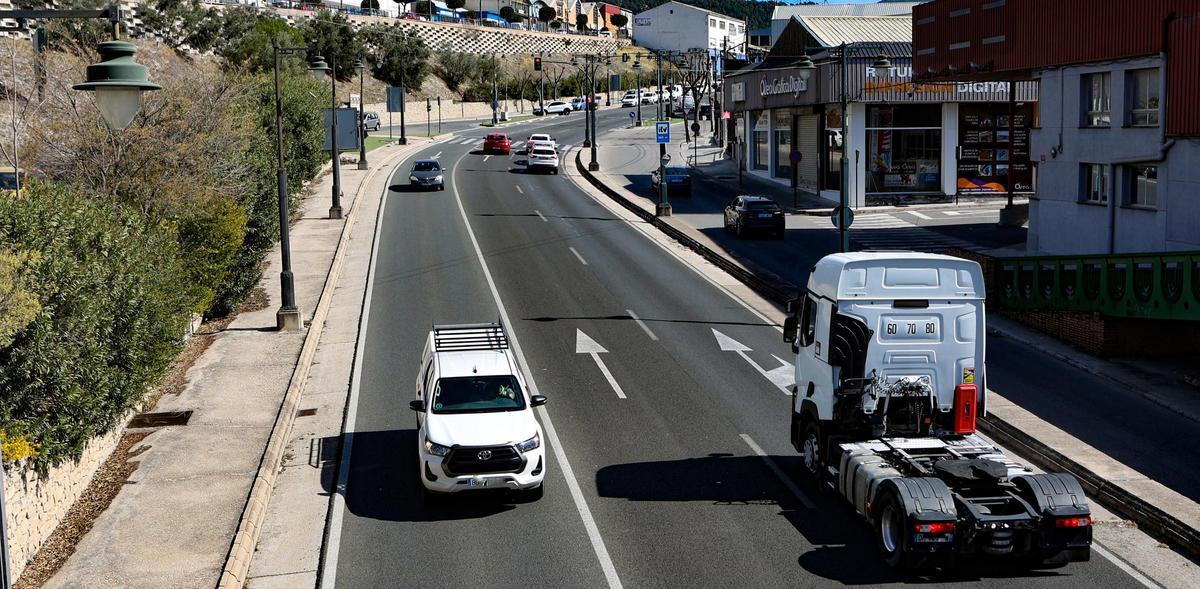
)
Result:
{"points": [[111, 320], [303, 100]]}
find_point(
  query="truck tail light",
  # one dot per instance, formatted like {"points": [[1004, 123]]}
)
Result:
{"points": [[1073, 522], [965, 396], [935, 528]]}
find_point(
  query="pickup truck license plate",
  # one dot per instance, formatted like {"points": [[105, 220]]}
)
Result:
{"points": [[477, 483]]}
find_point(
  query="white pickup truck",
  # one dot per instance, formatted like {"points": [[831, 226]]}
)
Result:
{"points": [[889, 382], [476, 428]]}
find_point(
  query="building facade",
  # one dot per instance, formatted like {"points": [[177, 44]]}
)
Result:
{"points": [[782, 15], [1115, 144], [676, 26]]}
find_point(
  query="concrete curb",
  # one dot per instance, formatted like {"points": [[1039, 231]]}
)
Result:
{"points": [[241, 551], [1147, 516]]}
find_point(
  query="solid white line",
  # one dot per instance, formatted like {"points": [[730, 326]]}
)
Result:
{"points": [[952, 213], [608, 375], [540, 215], [641, 324], [581, 260], [519, 189], [337, 514], [919, 215], [1124, 566], [585, 513], [783, 478], [486, 157]]}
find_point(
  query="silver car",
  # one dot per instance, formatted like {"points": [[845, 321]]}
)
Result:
{"points": [[427, 174]]}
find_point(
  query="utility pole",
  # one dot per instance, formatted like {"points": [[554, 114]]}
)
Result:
{"points": [[844, 210], [362, 127], [439, 101], [495, 119], [403, 105]]}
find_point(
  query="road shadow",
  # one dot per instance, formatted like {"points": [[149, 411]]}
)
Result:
{"points": [[571, 217], [844, 547], [383, 483], [409, 188]]}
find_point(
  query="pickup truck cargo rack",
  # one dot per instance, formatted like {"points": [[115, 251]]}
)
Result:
{"points": [[468, 337]]}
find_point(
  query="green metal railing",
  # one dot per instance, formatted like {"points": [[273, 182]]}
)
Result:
{"points": [[1151, 286]]}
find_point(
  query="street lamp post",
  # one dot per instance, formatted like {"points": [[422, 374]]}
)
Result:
{"points": [[495, 119], [637, 76], [403, 105], [362, 128], [118, 82], [663, 209], [335, 210]]}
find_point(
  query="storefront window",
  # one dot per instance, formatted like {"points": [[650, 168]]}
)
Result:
{"points": [[762, 145], [904, 149], [783, 144]]}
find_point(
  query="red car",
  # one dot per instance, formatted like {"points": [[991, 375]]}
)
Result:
{"points": [[497, 143]]}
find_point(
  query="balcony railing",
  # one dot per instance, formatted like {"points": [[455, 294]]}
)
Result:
{"points": [[1151, 286]]}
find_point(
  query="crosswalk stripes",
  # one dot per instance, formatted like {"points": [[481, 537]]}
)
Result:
{"points": [[913, 238], [879, 222]]}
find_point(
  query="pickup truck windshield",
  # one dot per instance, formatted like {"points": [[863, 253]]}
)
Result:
{"points": [[478, 394]]}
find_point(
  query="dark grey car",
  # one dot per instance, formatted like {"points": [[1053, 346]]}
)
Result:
{"points": [[427, 174]]}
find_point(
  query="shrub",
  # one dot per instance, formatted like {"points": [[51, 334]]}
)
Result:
{"points": [[111, 319]]}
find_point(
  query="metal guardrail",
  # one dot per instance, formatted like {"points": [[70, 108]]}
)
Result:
{"points": [[1150, 286]]}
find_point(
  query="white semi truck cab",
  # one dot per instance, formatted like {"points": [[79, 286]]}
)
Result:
{"points": [[889, 382]]}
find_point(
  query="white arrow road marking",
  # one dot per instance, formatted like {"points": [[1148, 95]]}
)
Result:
{"points": [[587, 345], [437, 155], [581, 260], [783, 376], [519, 189], [486, 157], [540, 215]]}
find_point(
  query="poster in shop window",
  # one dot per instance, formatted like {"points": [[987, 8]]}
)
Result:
{"points": [[994, 149]]}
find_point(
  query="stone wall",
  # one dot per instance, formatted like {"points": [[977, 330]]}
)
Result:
{"points": [[35, 504], [482, 40]]}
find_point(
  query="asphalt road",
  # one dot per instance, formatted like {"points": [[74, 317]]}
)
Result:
{"points": [[669, 475]]}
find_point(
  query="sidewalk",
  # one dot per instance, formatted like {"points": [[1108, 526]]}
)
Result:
{"points": [[1124, 489], [175, 521]]}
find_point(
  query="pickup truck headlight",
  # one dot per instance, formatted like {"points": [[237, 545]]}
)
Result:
{"points": [[412, 178], [437, 178], [531, 444], [435, 448]]}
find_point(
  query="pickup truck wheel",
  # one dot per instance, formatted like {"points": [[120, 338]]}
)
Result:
{"points": [[889, 531], [811, 449]]}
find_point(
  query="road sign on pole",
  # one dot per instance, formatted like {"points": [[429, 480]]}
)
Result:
{"points": [[838, 213], [395, 99], [662, 132]]}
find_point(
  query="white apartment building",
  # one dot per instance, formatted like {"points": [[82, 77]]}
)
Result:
{"points": [[676, 26]]}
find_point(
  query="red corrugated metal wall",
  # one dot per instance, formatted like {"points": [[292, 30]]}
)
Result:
{"points": [[1183, 77]]}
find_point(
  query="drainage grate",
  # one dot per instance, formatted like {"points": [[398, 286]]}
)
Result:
{"points": [[143, 420], [306, 412]]}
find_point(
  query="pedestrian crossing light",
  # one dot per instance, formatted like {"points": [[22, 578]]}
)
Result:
{"points": [[537, 64]]}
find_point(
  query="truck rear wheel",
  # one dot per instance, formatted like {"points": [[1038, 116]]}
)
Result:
{"points": [[889, 531]]}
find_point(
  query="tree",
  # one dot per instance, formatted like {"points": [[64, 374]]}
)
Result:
{"points": [[554, 73], [546, 14], [182, 24], [396, 56], [619, 20], [333, 36], [251, 50], [555, 24], [455, 4], [455, 68], [425, 7], [581, 22], [369, 5], [19, 304], [507, 13]]}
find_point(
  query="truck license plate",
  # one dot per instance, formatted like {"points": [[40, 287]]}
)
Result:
{"points": [[477, 482], [923, 328]]}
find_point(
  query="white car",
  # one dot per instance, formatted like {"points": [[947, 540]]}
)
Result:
{"points": [[540, 140], [542, 159], [649, 97], [476, 428], [630, 98], [554, 107]]}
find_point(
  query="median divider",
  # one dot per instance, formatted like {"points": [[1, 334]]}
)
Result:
{"points": [[241, 551], [1154, 519]]}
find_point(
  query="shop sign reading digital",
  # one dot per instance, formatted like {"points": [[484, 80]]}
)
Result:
{"points": [[793, 85], [900, 74]]}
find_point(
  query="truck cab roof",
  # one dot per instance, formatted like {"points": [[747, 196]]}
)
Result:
{"points": [[896, 275]]}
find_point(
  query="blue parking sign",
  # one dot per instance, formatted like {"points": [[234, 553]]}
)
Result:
{"points": [[662, 132]]}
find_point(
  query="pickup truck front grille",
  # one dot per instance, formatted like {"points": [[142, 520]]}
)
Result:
{"points": [[483, 460]]}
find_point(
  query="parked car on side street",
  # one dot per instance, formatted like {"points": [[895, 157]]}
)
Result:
{"points": [[746, 213], [370, 121], [553, 107], [427, 174], [497, 143], [679, 181]]}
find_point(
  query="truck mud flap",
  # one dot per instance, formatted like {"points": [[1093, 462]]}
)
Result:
{"points": [[1059, 499], [923, 498]]}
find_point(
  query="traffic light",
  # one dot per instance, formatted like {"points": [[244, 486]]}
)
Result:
{"points": [[537, 64]]}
